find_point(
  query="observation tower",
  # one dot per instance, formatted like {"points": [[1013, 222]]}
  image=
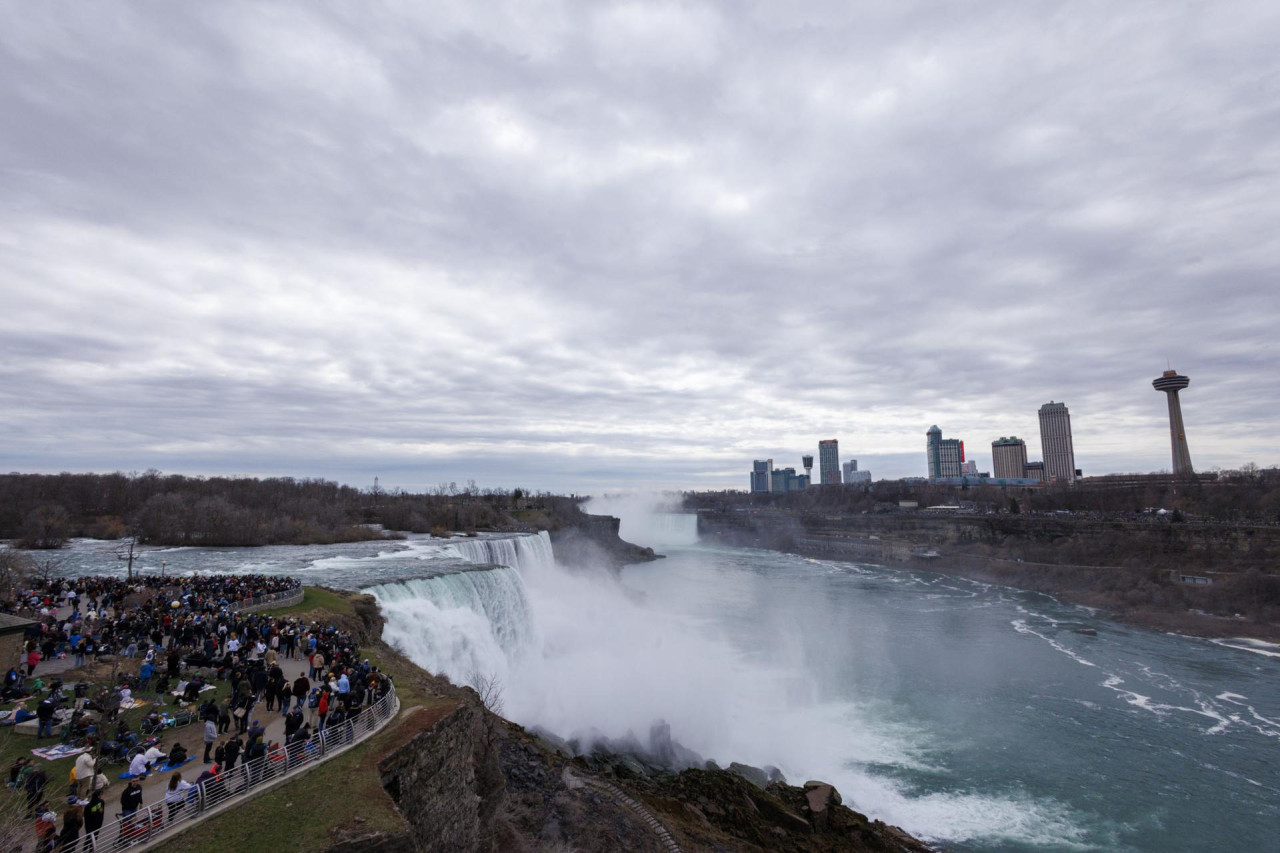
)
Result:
{"points": [[1170, 382]]}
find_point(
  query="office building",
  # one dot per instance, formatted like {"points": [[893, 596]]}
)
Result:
{"points": [[945, 456], [851, 474], [969, 469], [783, 480], [1170, 382], [1009, 458], [829, 462], [1034, 471], [761, 475], [1055, 443]]}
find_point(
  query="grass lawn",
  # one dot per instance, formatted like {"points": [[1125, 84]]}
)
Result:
{"points": [[314, 598], [14, 745], [305, 813]]}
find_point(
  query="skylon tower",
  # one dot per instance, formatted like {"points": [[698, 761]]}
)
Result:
{"points": [[1170, 382]]}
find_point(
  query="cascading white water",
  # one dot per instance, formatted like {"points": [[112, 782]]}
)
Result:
{"points": [[527, 554], [471, 622], [459, 624]]}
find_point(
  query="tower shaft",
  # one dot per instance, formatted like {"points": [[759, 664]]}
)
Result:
{"points": [[1170, 382], [1178, 437]]}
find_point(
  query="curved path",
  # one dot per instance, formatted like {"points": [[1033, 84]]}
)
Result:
{"points": [[620, 797]]}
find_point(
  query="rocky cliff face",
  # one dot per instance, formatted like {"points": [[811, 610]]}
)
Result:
{"points": [[445, 778], [592, 542]]}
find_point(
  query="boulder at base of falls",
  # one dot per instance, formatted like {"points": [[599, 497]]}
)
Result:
{"points": [[754, 775], [819, 798]]}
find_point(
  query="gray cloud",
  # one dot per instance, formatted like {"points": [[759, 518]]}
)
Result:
{"points": [[581, 246]]}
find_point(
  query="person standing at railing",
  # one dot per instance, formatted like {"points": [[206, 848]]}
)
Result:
{"points": [[94, 813], [131, 799], [233, 748], [175, 796]]}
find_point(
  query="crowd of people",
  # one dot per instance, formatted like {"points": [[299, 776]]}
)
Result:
{"points": [[186, 632]]}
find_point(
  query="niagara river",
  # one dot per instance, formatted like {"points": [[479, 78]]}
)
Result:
{"points": [[980, 718]]}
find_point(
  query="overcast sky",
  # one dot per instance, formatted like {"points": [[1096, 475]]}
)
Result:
{"points": [[590, 246]]}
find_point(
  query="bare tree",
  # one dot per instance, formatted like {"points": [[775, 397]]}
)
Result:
{"points": [[488, 688], [127, 553], [16, 569], [16, 831]]}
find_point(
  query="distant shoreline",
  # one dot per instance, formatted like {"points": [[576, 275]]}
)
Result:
{"points": [[1131, 584]]}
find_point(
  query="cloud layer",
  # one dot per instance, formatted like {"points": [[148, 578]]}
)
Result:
{"points": [[582, 246]]}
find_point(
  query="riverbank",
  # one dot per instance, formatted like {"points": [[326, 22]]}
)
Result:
{"points": [[1134, 572]]}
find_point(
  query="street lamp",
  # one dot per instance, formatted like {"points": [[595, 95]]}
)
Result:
{"points": [[163, 563]]}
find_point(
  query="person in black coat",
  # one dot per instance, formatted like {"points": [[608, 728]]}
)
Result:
{"points": [[131, 799], [94, 812]]}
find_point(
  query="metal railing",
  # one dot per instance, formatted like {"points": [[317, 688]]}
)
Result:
{"points": [[157, 820], [283, 599]]}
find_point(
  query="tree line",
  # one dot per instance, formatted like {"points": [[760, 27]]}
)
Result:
{"points": [[42, 511]]}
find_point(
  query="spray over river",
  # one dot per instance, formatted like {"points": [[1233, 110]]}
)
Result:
{"points": [[971, 715]]}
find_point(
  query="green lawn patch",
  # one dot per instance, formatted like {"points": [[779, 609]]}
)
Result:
{"points": [[307, 813], [315, 598]]}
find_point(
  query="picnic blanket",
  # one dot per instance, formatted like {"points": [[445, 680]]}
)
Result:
{"points": [[202, 689], [62, 750], [136, 703], [164, 769]]}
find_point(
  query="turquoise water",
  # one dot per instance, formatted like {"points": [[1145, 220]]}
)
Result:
{"points": [[972, 715], [995, 725]]}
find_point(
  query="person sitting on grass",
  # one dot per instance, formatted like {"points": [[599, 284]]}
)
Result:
{"points": [[177, 755], [138, 765]]}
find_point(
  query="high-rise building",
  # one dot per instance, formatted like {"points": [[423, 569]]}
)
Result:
{"points": [[761, 475], [829, 462], [1055, 443], [1170, 382], [807, 461], [946, 455], [1009, 457], [848, 469], [1034, 471], [784, 480]]}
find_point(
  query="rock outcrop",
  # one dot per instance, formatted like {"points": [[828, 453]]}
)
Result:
{"points": [[445, 778], [592, 542]]}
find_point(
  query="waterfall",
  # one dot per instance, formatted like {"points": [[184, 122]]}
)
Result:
{"points": [[664, 529], [528, 555], [461, 623], [469, 622]]}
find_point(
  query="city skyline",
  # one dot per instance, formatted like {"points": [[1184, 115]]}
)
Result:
{"points": [[538, 247]]}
